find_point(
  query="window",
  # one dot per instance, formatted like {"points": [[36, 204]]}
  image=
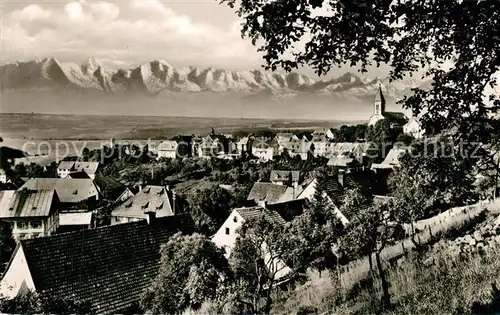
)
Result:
{"points": [[22, 236], [227, 231], [235, 219], [22, 225], [36, 224]]}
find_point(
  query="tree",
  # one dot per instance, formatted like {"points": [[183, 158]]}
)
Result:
{"points": [[453, 43], [370, 232], [210, 207], [192, 270], [31, 302], [7, 243], [313, 235], [258, 261], [432, 177]]}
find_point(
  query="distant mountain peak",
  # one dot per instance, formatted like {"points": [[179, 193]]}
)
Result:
{"points": [[159, 76]]}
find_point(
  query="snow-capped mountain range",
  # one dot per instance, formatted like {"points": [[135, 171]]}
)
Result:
{"points": [[158, 76], [162, 81]]}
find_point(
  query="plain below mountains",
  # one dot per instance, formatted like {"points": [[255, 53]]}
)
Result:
{"points": [[157, 88]]}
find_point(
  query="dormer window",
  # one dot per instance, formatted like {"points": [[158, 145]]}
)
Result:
{"points": [[75, 191], [33, 208], [145, 205]]}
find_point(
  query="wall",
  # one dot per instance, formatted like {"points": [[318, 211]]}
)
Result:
{"points": [[223, 240], [17, 273]]}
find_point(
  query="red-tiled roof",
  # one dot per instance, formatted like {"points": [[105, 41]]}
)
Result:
{"points": [[108, 267]]}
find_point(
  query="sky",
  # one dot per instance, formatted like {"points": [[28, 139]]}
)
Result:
{"points": [[125, 33]]}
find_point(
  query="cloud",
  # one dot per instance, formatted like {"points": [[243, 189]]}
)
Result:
{"points": [[131, 32]]}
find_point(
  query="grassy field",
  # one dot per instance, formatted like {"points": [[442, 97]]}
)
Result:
{"points": [[355, 291], [100, 127]]}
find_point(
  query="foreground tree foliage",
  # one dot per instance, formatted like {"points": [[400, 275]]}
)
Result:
{"points": [[192, 270], [32, 303], [313, 235], [370, 232], [258, 261], [210, 207], [432, 177], [454, 43]]}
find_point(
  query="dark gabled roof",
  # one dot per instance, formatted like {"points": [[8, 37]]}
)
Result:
{"points": [[78, 175], [266, 192], [395, 117], [257, 212], [108, 267]]}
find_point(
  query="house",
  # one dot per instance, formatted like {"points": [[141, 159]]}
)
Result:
{"points": [[392, 159], [356, 150], [158, 199], [320, 144], [69, 190], [3, 176], [126, 194], [327, 132], [287, 178], [42, 160], [291, 146], [30, 213], [212, 145], [70, 221], [341, 161], [66, 167], [413, 128], [167, 149], [334, 191], [396, 119], [285, 136], [244, 145], [108, 267], [228, 233], [264, 149], [302, 150], [266, 192]]}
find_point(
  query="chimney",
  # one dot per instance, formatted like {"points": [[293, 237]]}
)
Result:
{"points": [[341, 177], [263, 204], [151, 216], [167, 187], [140, 187], [173, 202]]}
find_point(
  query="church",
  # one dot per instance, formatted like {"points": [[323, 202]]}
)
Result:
{"points": [[397, 119]]}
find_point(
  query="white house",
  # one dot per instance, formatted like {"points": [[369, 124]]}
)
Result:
{"points": [[243, 145], [287, 178], [264, 149], [310, 190], [30, 213], [167, 149], [3, 176], [321, 144], [67, 167], [327, 132], [228, 233], [392, 159], [413, 128], [158, 199]]}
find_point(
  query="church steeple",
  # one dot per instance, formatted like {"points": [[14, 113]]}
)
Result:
{"points": [[379, 102]]}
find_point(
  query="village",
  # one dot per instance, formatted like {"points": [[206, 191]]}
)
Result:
{"points": [[91, 228]]}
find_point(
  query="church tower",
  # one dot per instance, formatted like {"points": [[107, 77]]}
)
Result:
{"points": [[378, 107]]}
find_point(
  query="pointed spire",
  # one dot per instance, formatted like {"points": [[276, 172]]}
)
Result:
{"points": [[379, 98]]}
